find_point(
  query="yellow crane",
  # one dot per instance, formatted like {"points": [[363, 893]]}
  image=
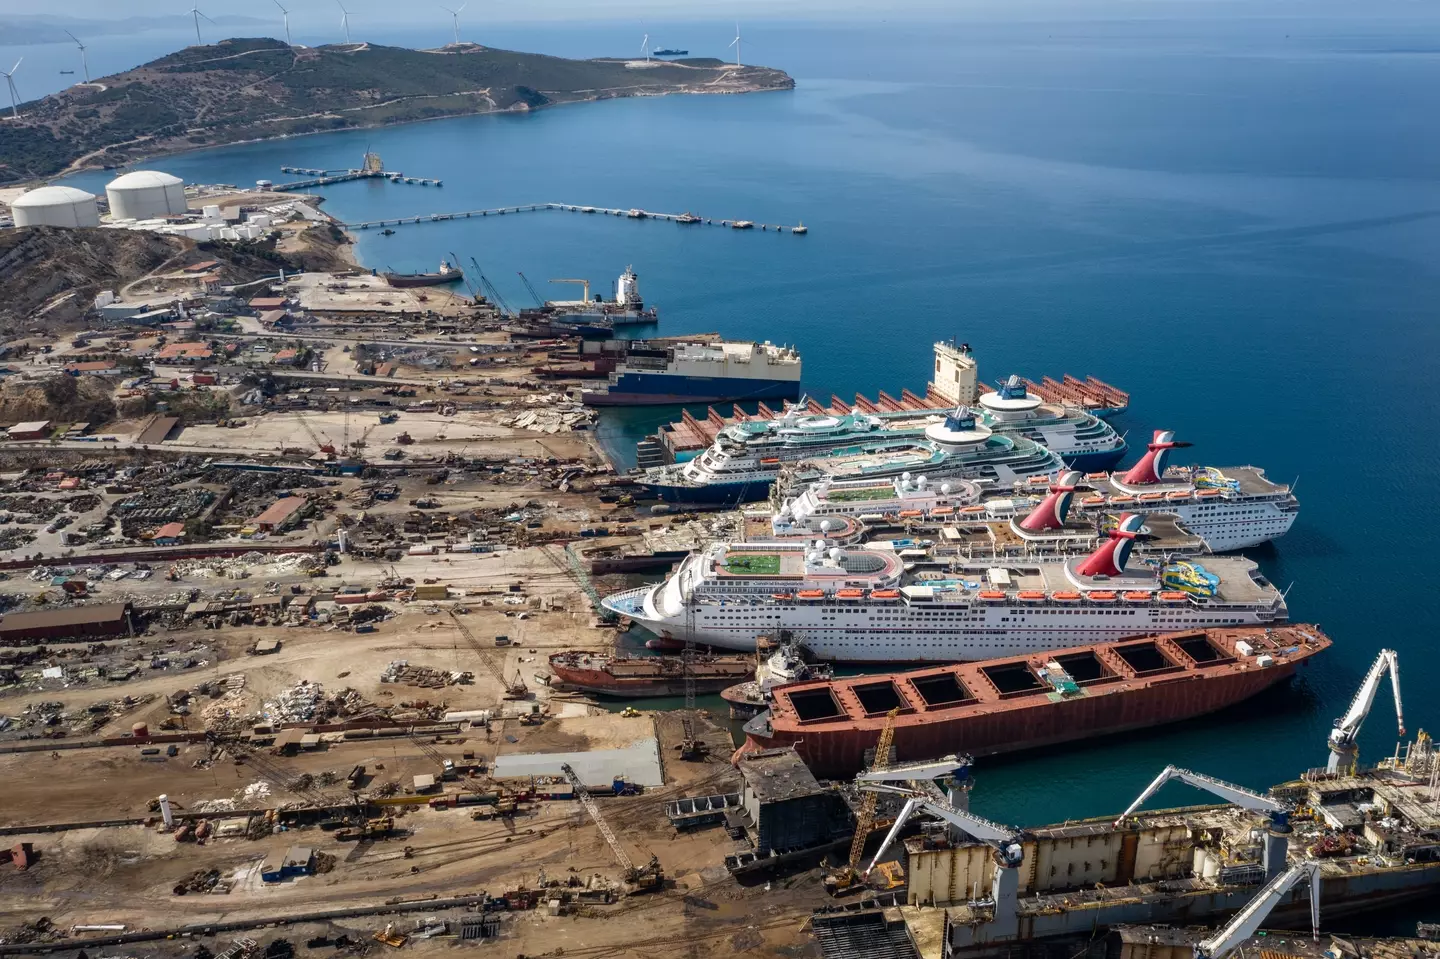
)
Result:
{"points": [[848, 876]]}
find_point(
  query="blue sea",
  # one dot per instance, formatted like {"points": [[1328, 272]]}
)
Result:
{"points": [[1230, 210]]}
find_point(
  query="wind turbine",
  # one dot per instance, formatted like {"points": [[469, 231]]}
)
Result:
{"points": [[645, 46], [84, 61], [344, 19], [195, 12], [286, 14], [14, 96], [736, 44], [455, 16]]}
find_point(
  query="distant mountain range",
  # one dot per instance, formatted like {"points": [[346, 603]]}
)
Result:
{"points": [[249, 89], [25, 29]]}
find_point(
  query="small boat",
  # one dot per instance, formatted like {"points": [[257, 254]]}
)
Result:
{"points": [[943, 511], [1150, 497], [811, 594], [972, 509], [885, 594], [1031, 595], [1125, 498], [687, 217], [387, 232], [743, 224], [850, 594], [800, 230], [1093, 500], [911, 513], [782, 595], [1137, 596], [636, 214], [1101, 596], [1173, 597], [1178, 494], [446, 274], [992, 594], [587, 209], [669, 53], [1065, 596], [1097, 477]]}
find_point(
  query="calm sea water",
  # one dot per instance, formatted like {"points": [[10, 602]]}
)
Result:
{"points": [[1236, 218]]}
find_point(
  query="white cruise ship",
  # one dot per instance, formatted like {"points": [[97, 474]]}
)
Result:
{"points": [[866, 605]]}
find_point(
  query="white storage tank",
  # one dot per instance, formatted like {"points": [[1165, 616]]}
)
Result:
{"points": [[145, 194], [55, 206]]}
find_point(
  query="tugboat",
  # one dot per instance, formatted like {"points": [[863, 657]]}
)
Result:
{"points": [[387, 232], [446, 274], [800, 229], [785, 665]]}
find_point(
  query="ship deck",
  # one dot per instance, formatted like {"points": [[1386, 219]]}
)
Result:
{"points": [[1251, 479], [947, 693]]}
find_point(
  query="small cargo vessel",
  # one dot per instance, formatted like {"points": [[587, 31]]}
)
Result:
{"points": [[647, 675], [446, 274], [1023, 702], [787, 664]]}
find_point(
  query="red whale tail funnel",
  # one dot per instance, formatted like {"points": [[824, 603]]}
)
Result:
{"points": [[1151, 467], [1110, 557], [1051, 513]]}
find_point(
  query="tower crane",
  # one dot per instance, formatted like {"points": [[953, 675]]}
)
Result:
{"points": [[1343, 748], [513, 689], [645, 879], [1244, 923], [848, 876], [1277, 836]]}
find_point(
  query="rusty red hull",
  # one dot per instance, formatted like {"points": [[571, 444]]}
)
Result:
{"points": [[992, 722]]}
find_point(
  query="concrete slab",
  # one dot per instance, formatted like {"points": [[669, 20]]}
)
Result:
{"points": [[638, 762]]}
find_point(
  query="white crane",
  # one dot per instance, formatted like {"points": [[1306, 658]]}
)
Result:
{"points": [[195, 12], [1343, 749], [1006, 839], [286, 14], [1244, 923], [84, 60], [455, 17], [344, 20], [736, 44], [14, 95], [1277, 839]]}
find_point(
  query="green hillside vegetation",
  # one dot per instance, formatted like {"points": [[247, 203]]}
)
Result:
{"points": [[247, 89]]}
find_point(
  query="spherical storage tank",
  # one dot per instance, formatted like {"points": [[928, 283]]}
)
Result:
{"points": [[55, 206], [145, 194]]}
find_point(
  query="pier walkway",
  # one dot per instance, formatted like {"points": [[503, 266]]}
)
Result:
{"points": [[633, 214]]}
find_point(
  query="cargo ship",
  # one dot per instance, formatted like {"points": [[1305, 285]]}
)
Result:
{"points": [[653, 53], [786, 664], [872, 605], [446, 274], [699, 373], [1023, 702], [627, 676]]}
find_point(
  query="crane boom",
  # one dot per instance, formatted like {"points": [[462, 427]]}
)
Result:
{"points": [[1247, 921], [865, 818], [1003, 838], [513, 690], [583, 283], [529, 286], [586, 800], [1347, 727], [1231, 793]]}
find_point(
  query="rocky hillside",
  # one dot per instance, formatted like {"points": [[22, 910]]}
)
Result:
{"points": [[256, 88], [49, 276]]}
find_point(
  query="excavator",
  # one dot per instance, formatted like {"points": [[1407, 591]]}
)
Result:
{"points": [[1343, 748], [1277, 835]]}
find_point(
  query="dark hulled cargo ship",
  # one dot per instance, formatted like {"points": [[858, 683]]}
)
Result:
{"points": [[446, 274], [1021, 702], [647, 675]]}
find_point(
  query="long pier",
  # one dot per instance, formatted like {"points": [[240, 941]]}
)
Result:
{"points": [[633, 214], [328, 177]]}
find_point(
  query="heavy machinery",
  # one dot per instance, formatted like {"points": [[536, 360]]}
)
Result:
{"points": [[514, 689], [1277, 836], [648, 878], [1247, 921], [327, 448], [847, 877], [1343, 748]]}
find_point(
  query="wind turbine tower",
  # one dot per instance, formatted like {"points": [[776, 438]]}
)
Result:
{"points": [[455, 18], [736, 44], [84, 60], [344, 20], [286, 14], [645, 47], [14, 95], [195, 12]]}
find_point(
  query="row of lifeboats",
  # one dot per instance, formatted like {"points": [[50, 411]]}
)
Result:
{"points": [[1174, 496], [998, 596]]}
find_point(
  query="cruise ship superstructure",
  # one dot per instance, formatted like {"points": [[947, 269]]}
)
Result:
{"points": [[747, 457], [870, 605], [1083, 440]]}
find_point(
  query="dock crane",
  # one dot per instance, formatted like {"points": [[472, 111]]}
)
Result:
{"points": [[535, 296], [1277, 836], [491, 291], [515, 689], [645, 879], [1343, 749], [1244, 923], [848, 876], [583, 283]]}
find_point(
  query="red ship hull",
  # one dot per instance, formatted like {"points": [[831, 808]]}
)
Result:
{"points": [[993, 722]]}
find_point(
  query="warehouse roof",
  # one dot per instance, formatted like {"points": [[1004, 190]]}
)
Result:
{"points": [[170, 531], [34, 426], [281, 510], [73, 616]]}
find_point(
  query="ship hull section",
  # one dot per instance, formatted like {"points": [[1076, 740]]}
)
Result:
{"points": [[659, 389]]}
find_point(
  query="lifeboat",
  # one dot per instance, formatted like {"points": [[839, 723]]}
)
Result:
{"points": [[850, 594], [972, 509], [1031, 595], [911, 513], [1097, 476], [992, 594], [1126, 498], [1178, 494], [1207, 493], [1101, 596], [885, 594], [1038, 480], [770, 460], [1137, 596], [1173, 596], [1093, 500], [1065, 597], [782, 595], [942, 511], [1151, 497], [811, 594]]}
